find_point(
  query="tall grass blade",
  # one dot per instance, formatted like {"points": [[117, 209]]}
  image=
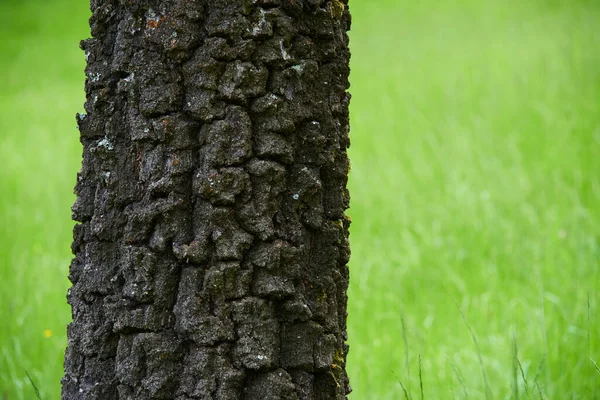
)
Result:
{"points": [[524, 377], [515, 367], [539, 370], [595, 365], [543, 319], [37, 392], [488, 392], [406, 350], [540, 393], [421, 378], [589, 324], [589, 343], [404, 337], [459, 377], [406, 396]]}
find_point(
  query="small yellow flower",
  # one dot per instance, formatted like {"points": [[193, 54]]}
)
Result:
{"points": [[47, 333]]}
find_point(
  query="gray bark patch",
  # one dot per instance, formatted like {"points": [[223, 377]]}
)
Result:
{"points": [[211, 247]]}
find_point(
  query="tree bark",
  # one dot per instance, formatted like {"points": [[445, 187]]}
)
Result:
{"points": [[212, 247]]}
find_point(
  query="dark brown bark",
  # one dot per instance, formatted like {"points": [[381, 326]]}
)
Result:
{"points": [[211, 251]]}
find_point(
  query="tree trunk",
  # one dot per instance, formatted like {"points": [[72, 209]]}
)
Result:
{"points": [[211, 251]]}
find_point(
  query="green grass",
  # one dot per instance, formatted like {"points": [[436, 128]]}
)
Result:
{"points": [[41, 69], [475, 193]]}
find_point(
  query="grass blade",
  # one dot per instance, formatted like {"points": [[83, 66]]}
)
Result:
{"points": [[406, 350], [515, 367], [539, 370], [459, 377], [543, 319], [488, 393], [37, 392], [404, 337], [589, 321], [589, 342], [421, 378], [595, 365], [540, 393], [524, 379], [406, 396]]}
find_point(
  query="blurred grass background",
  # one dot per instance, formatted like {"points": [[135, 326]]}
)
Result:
{"points": [[475, 191]]}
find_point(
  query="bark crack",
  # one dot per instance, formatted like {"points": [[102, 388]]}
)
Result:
{"points": [[211, 251]]}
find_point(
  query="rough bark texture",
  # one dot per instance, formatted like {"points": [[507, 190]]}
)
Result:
{"points": [[211, 251]]}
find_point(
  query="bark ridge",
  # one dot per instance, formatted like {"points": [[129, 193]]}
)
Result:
{"points": [[211, 247]]}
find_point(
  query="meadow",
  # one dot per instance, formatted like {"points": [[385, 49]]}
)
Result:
{"points": [[475, 188]]}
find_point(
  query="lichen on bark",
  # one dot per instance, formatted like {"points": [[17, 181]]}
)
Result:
{"points": [[211, 247]]}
